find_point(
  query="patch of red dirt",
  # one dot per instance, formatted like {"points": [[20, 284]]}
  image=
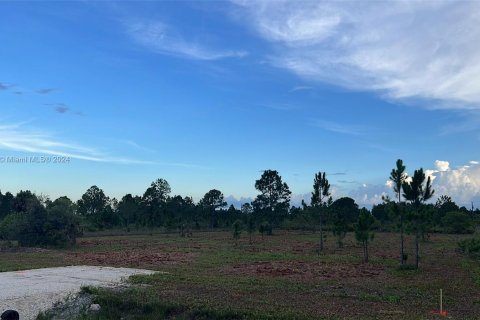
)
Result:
{"points": [[387, 255], [137, 258], [306, 270], [95, 242]]}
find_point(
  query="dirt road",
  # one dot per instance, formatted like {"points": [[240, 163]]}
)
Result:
{"points": [[32, 291]]}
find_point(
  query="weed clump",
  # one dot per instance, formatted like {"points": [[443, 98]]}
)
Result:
{"points": [[470, 247]]}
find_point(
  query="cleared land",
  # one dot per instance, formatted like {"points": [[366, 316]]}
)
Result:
{"points": [[279, 276], [32, 291]]}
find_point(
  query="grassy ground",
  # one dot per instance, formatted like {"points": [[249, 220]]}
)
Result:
{"points": [[281, 276]]}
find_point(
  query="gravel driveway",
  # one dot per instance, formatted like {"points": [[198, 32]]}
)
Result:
{"points": [[32, 291]]}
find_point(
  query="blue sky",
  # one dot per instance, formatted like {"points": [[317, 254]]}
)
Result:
{"points": [[208, 94]]}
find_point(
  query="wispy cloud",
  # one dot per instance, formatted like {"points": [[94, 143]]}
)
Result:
{"points": [[338, 127], [20, 91], [467, 122], [405, 50], [164, 39], [348, 181], [300, 88], [19, 137], [135, 145], [61, 109], [280, 106], [45, 90]]}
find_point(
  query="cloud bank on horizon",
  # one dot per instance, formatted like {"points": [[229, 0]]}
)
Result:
{"points": [[461, 183], [426, 50]]}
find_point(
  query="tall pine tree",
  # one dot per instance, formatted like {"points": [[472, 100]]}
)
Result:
{"points": [[415, 192], [321, 191], [398, 176]]}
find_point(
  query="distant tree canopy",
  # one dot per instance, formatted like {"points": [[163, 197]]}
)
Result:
{"points": [[34, 224], [24, 201], [273, 202], [457, 222], [154, 202], [158, 193], [36, 220], [129, 210], [443, 205], [211, 201], [344, 212], [346, 208], [382, 213], [97, 209], [6, 204]]}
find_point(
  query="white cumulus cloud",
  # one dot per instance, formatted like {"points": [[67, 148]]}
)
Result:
{"points": [[462, 183], [368, 195], [442, 165]]}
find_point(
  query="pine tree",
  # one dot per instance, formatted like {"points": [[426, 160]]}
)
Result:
{"points": [[415, 192], [321, 190], [237, 230], [398, 176], [363, 230]]}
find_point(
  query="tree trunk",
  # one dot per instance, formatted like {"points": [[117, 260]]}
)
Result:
{"points": [[402, 254], [417, 256], [365, 249], [212, 217], [321, 233]]}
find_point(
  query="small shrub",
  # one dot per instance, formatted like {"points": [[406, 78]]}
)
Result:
{"points": [[470, 247], [9, 226], [237, 230], [457, 222], [265, 227], [250, 227]]}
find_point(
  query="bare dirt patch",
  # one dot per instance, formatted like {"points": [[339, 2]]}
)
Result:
{"points": [[144, 258], [96, 242], [306, 270]]}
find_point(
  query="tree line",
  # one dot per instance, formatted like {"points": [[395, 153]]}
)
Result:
{"points": [[37, 220]]}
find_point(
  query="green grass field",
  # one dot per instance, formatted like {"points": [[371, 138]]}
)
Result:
{"points": [[278, 277]]}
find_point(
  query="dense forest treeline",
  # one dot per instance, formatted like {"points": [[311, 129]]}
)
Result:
{"points": [[36, 220]]}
